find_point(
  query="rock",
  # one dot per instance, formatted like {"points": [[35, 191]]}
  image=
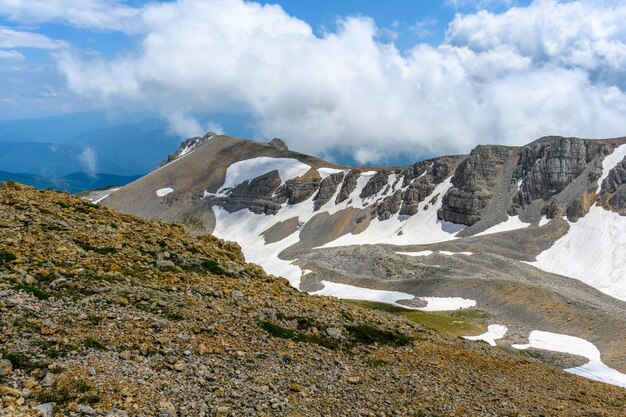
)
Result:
{"points": [[354, 380], [222, 412], [348, 185], [334, 333], [268, 314], [91, 371], [236, 295], [278, 144], [297, 190], [295, 388], [5, 367], [46, 409], [376, 183], [327, 189], [47, 328], [165, 264], [86, 410], [47, 380]]}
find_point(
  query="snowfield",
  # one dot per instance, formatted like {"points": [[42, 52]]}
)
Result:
{"points": [[494, 332], [593, 251], [595, 369], [609, 162], [164, 191], [250, 169]]}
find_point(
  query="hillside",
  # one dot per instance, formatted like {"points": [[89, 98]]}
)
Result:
{"points": [[110, 314]]}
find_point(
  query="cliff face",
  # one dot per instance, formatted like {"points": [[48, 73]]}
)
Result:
{"points": [[550, 176]]}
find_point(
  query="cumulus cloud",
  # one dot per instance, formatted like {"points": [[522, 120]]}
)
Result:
{"points": [[187, 126], [510, 77]]}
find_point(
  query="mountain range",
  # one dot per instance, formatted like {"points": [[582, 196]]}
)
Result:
{"points": [[532, 236]]}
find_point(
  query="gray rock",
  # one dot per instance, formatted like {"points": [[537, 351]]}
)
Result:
{"points": [[348, 185], [278, 144], [46, 409], [165, 264], [327, 189]]}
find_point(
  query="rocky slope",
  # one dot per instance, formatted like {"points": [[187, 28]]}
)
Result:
{"points": [[109, 314]]}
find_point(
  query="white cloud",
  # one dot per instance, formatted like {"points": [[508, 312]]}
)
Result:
{"points": [[11, 55], [549, 68], [89, 161], [187, 126], [95, 14], [11, 38]]}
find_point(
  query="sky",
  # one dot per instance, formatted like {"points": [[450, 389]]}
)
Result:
{"points": [[375, 80]]}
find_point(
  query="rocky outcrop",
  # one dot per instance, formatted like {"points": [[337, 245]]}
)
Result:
{"points": [[415, 194], [187, 146], [256, 195], [613, 190], [473, 182], [348, 185], [389, 206], [327, 190], [547, 166], [278, 144], [375, 184], [297, 190]]}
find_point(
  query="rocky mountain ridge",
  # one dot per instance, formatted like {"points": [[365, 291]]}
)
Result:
{"points": [[532, 236]]}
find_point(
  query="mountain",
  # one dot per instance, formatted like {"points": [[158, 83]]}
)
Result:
{"points": [[113, 315], [83, 142], [532, 236]]}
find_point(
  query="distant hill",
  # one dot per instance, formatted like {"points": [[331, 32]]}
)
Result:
{"points": [[56, 146], [71, 183]]}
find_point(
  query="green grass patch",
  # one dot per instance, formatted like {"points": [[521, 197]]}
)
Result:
{"points": [[364, 333], [456, 323], [375, 363], [42, 295], [213, 267], [284, 333], [102, 251], [6, 257], [91, 343], [21, 361], [94, 319]]}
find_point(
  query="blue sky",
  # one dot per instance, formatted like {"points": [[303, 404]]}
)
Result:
{"points": [[367, 78]]}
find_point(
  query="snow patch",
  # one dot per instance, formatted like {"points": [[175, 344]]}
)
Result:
{"points": [[392, 297], [101, 195], [250, 169], [592, 251], [446, 303], [164, 191], [325, 172], [595, 369], [429, 252], [494, 332], [512, 223], [359, 293], [609, 162], [419, 253]]}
